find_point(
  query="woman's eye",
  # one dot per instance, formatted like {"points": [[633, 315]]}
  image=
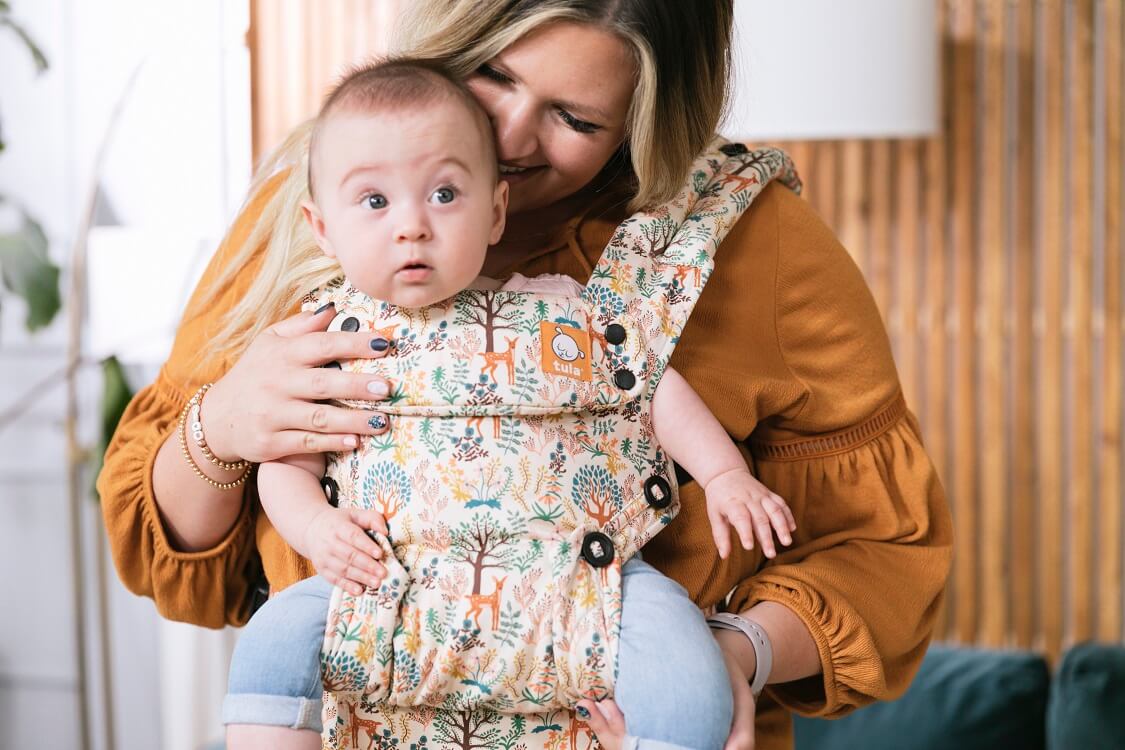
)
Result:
{"points": [[492, 74], [376, 201], [444, 195], [574, 123]]}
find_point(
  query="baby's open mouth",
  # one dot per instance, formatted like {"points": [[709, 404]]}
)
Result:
{"points": [[415, 272]]}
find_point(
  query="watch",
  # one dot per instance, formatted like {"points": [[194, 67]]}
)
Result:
{"points": [[763, 650]]}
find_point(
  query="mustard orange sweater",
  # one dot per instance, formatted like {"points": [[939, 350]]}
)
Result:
{"points": [[788, 350]]}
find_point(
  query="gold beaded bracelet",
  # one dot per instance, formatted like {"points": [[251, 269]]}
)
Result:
{"points": [[192, 407]]}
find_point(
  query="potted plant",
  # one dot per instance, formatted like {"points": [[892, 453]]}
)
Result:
{"points": [[25, 269]]}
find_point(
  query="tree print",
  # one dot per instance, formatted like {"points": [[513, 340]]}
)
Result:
{"points": [[386, 488], [607, 301], [489, 310], [658, 235], [482, 543], [468, 729], [595, 490]]}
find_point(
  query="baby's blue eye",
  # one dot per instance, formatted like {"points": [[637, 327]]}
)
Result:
{"points": [[444, 195], [376, 201]]}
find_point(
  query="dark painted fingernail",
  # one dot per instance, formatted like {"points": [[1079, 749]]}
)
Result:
{"points": [[380, 344], [324, 307], [582, 712], [377, 422]]}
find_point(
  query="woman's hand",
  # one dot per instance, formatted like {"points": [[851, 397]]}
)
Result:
{"points": [[742, 728], [267, 406]]}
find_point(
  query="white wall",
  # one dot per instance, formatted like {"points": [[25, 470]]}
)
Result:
{"points": [[175, 173]]}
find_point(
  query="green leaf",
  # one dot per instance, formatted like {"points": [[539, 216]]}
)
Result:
{"points": [[116, 395], [36, 54], [27, 271]]}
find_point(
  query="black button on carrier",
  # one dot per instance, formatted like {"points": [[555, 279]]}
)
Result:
{"points": [[597, 549], [615, 334], [658, 493], [331, 491]]}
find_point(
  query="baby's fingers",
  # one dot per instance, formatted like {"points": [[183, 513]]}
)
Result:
{"points": [[332, 573], [763, 531], [743, 523], [369, 519], [355, 535], [780, 517], [789, 515], [720, 531], [355, 565]]}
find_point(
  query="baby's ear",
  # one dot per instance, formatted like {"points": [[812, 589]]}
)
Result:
{"points": [[499, 211], [316, 224]]}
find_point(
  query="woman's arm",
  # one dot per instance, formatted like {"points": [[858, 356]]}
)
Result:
{"points": [[173, 536], [244, 415], [788, 350], [795, 655]]}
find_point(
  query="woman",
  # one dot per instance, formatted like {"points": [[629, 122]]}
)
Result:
{"points": [[599, 107]]}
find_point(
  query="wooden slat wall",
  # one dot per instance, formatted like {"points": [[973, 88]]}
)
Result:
{"points": [[298, 48], [1111, 26], [999, 272], [995, 253]]}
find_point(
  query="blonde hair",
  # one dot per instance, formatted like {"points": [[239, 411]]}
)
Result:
{"points": [[682, 55]]}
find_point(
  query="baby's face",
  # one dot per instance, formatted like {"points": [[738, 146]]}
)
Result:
{"points": [[406, 202]]}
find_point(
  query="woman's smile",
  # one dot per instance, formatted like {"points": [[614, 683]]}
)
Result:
{"points": [[514, 175]]}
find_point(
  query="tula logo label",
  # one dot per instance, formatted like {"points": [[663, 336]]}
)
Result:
{"points": [[566, 350]]}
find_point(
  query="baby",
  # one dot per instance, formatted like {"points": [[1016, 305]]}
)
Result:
{"points": [[406, 197]]}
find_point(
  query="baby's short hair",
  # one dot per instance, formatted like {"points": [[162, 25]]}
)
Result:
{"points": [[401, 83]]}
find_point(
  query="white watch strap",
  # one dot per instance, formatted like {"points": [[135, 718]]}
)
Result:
{"points": [[763, 649]]}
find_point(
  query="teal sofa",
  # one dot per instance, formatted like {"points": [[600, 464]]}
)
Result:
{"points": [[975, 699]]}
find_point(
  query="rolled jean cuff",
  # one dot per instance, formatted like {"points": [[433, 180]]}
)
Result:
{"points": [[272, 710]]}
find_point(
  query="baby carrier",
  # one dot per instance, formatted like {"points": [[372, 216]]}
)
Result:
{"points": [[520, 473]]}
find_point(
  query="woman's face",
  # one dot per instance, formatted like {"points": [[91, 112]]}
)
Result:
{"points": [[558, 98]]}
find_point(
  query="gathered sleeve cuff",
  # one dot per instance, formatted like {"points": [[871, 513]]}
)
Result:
{"points": [[208, 587], [870, 557]]}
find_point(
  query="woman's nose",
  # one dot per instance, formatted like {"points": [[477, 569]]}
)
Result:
{"points": [[516, 135]]}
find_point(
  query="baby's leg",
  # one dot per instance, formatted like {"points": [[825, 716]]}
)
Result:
{"points": [[274, 694], [672, 682]]}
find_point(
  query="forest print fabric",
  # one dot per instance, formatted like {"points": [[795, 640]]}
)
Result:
{"points": [[519, 474]]}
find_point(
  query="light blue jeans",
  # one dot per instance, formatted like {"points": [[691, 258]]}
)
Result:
{"points": [[672, 683]]}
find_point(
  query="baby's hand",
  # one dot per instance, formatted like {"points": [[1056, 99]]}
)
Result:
{"points": [[736, 497], [337, 543]]}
